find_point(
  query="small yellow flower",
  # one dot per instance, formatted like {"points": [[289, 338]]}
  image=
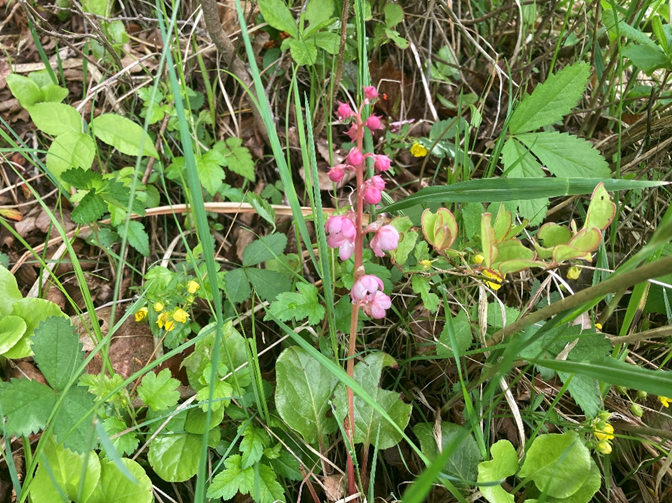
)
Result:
{"points": [[158, 307], [426, 264], [574, 272], [180, 315], [164, 318], [598, 326], [665, 401], [478, 259], [193, 287], [418, 150], [141, 314], [604, 431], [497, 278], [603, 447], [170, 325]]}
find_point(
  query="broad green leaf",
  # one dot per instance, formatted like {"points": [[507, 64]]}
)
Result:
{"points": [[565, 155], [394, 14], [174, 457], [601, 210], [328, 41], [647, 58], [122, 134], [266, 488], [286, 465], [238, 158], [402, 43], [137, 237], [24, 89], [210, 173], [115, 487], [70, 150], [584, 494], [33, 311], [97, 7], [504, 463], [268, 284], [9, 291], [263, 249], [463, 464], [297, 306], [66, 469], [421, 285], [552, 234], [558, 464], [159, 392], [277, 14], [236, 286], [462, 333], [12, 328], [494, 190], [72, 424], [304, 389], [610, 18], [304, 52], [55, 118], [125, 442], [231, 480], [90, 208], [519, 162], [370, 426], [262, 207], [252, 446], [57, 350], [196, 421], [317, 12], [585, 392], [552, 100], [53, 93], [220, 397], [27, 405]]}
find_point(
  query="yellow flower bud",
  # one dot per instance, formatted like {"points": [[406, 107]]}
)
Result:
{"points": [[478, 259], [418, 150], [603, 447], [180, 315], [158, 307], [574, 272], [598, 326], [193, 287], [141, 314], [426, 264]]}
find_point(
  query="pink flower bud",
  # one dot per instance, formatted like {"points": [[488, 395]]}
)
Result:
{"points": [[371, 190], [365, 287], [355, 157], [373, 123], [340, 228], [386, 239], [370, 93], [377, 305], [377, 181], [353, 132], [346, 250], [381, 163], [337, 173], [344, 111]]}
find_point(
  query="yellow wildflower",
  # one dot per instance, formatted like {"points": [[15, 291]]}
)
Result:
{"points": [[598, 326], [665, 401], [426, 264], [574, 272], [497, 278], [418, 150], [158, 307], [164, 318], [170, 325], [603, 447], [478, 259], [180, 315], [604, 431], [193, 287], [141, 314]]}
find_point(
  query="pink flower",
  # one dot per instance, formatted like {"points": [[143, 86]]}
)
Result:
{"points": [[355, 157], [371, 191], [373, 123], [341, 234], [377, 182], [353, 132], [370, 93], [365, 287], [377, 305], [386, 239], [344, 111], [381, 163], [337, 173]]}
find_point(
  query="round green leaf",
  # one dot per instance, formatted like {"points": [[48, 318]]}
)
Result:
{"points": [[55, 118], [33, 311], [115, 487], [70, 150], [174, 458], [12, 329], [9, 291], [123, 134]]}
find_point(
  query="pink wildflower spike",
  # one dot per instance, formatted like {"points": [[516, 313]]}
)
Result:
{"points": [[337, 173], [355, 157], [386, 239], [374, 123], [381, 163], [370, 93], [344, 112], [341, 233], [365, 287], [377, 305]]}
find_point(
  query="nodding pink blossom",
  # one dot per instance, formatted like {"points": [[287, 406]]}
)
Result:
{"points": [[355, 157], [370, 93], [341, 233], [344, 111], [374, 123], [337, 173], [386, 239], [372, 188], [377, 305], [353, 132], [381, 163], [365, 287]]}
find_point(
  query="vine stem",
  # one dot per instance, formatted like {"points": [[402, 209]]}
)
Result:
{"points": [[358, 271]]}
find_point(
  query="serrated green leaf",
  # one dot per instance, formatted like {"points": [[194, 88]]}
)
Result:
{"points": [[125, 442], [518, 161], [462, 334], [252, 446], [122, 134], [585, 392], [370, 427], [70, 150], [304, 52], [565, 155], [137, 237], [33, 311], [114, 486], [220, 396], [57, 350], [159, 392], [210, 173], [72, 425], [9, 290], [552, 100], [277, 14], [26, 404], [83, 178], [12, 329], [421, 285], [304, 389], [268, 284], [298, 306], [55, 118], [262, 207], [504, 463], [646, 57], [238, 158], [91, 208], [231, 480], [236, 286], [558, 464], [24, 89], [266, 488], [263, 249], [174, 457]]}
